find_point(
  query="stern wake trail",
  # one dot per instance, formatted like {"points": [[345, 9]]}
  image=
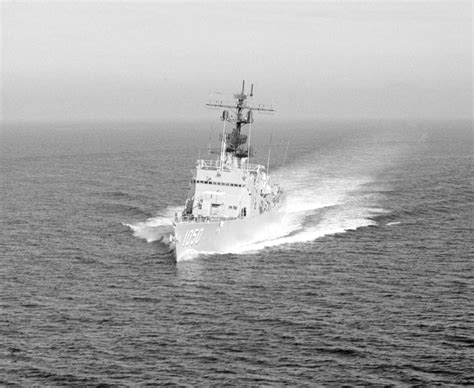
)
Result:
{"points": [[311, 213], [332, 193]]}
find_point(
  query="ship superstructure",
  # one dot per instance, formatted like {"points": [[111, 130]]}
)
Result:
{"points": [[230, 199]]}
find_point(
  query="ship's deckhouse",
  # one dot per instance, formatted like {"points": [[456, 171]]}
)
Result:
{"points": [[231, 187], [222, 190]]}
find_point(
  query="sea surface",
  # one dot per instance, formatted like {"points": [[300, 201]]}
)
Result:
{"points": [[373, 287]]}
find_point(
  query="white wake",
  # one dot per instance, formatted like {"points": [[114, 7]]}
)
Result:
{"points": [[156, 228], [325, 194]]}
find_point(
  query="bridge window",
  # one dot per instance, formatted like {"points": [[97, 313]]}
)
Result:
{"points": [[208, 182]]}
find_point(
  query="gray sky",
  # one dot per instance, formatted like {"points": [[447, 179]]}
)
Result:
{"points": [[142, 61]]}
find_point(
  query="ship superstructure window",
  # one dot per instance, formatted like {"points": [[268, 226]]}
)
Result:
{"points": [[216, 183]]}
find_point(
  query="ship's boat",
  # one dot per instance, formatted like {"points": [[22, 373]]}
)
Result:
{"points": [[231, 202]]}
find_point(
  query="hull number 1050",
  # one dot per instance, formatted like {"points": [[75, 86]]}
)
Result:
{"points": [[192, 237]]}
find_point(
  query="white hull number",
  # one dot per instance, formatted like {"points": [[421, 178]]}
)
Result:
{"points": [[192, 237]]}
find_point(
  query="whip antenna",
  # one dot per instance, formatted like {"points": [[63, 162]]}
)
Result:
{"points": [[269, 153]]}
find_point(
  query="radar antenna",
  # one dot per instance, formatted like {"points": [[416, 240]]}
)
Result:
{"points": [[235, 142]]}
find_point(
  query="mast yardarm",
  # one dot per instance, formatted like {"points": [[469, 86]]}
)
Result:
{"points": [[235, 142]]}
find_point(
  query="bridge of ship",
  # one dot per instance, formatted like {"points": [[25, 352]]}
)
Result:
{"points": [[222, 189]]}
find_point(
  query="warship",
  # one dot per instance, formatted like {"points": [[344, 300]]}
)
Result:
{"points": [[231, 202]]}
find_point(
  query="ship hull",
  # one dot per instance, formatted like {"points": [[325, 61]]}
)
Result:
{"points": [[223, 236]]}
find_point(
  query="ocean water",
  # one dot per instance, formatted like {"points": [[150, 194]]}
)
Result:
{"points": [[372, 285]]}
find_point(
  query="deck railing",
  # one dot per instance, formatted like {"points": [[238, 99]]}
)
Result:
{"points": [[190, 218], [217, 164]]}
